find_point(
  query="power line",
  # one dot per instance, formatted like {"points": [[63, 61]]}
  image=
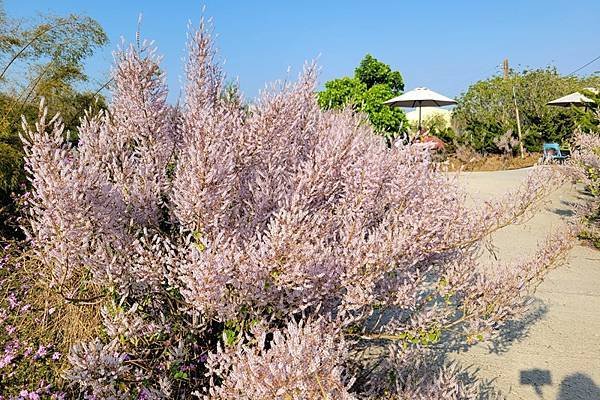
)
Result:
{"points": [[585, 65]]}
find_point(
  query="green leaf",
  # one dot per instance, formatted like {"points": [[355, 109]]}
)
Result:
{"points": [[229, 336], [198, 243], [180, 375]]}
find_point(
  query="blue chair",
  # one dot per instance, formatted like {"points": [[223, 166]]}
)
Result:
{"points": [[552, 152]]}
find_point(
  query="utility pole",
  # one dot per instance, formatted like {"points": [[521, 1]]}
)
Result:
{"points": [[518, 123], [505, 68]]}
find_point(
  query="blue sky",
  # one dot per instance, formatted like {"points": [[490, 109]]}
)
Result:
{"points": [[445, 45]]}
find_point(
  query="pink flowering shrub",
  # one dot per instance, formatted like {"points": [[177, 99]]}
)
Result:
{"points": [[586, 167], [302, 361], [251, 251], [587, 157]]}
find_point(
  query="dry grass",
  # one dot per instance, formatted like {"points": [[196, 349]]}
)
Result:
{"points": [[51, 318], [71, 320], [491, 163]]}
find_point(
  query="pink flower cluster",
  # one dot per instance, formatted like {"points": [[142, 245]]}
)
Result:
{"points": [[585, 165], [586, 159]]}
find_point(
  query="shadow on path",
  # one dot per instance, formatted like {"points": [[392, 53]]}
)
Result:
{"points": [[577, 386], [515, 330], [565, 213], [567, 208], [537, 378], [512, 331]]}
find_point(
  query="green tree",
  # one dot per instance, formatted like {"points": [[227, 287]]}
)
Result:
{"points": [[340, 92], [373, 83], [40, 58], [588, 118], [372, 72], [486, 110]]}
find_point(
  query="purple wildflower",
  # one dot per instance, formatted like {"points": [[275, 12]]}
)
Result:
{"points": [[6, 359], [12, 301], [41, 352]]}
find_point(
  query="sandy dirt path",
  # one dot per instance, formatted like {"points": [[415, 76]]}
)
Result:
{"points": [[555, 352]]}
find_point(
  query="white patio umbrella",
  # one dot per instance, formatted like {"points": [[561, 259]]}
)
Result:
{"points": [[420, 97], [574, 99]]}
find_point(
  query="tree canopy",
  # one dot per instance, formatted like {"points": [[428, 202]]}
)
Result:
{"points": [[373, 83], [41, 58], [486, 110], [589, 117]]}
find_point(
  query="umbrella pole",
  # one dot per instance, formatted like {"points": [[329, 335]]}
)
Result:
{"points": [[419, 117]]}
